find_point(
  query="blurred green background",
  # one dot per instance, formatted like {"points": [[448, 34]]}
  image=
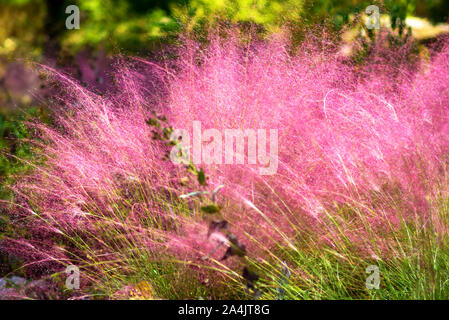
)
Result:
{"points": [[32, 27]]}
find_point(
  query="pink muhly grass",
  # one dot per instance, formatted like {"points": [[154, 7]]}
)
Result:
{"points": [[372, 137], [346, 133]]}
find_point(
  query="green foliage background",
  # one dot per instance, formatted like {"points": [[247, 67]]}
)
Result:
{"points": [[138, 25]]}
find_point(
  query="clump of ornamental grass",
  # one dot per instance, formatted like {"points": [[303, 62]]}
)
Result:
{"points": [[114, 212], [361, 177]]}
